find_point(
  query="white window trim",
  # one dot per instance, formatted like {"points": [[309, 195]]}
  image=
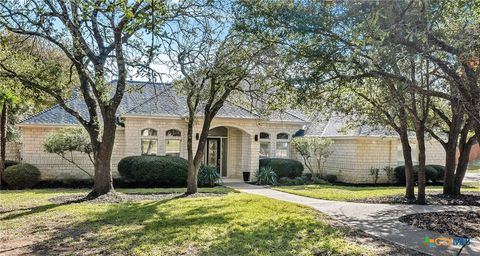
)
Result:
{"points": [[277, 140], [148, 138], [179, 138]]}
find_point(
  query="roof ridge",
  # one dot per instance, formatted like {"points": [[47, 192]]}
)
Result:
{"points": [[290, 113], [255, 114]]}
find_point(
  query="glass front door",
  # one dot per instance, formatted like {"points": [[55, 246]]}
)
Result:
{"points": [[213, 153]]}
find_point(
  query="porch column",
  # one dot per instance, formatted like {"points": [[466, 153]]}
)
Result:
{"points": [[254, 155]]}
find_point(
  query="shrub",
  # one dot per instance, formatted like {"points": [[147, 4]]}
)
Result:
{"points": [[285, 181], [283, 167], [430, 173], [9, 163], [440, 172], [299, 181], [208, 176], [22, 176], [318, 180], [154, 170], [266, 176], [331, 178]]}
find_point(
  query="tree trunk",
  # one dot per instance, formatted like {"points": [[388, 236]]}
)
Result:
{"points": [[463, 164], [103, 181], [420, 132], [407, 156], [3, 138], [450, 164], [192, 180]]}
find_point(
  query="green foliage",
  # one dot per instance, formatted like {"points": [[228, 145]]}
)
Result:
{"points": [[299, 181], [208, 176], [285, 181], [67, 140], [440, 172], [154, 170], [331, 178], [266, 176], [22, 176], [9, 163], [313, 149], [283, 167], [430, 173], [318, 180]]}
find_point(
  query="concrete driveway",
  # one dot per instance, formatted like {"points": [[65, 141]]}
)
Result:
{"points": [[380, 220]]}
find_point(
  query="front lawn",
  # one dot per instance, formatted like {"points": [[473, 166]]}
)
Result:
{"points": [[234, 224], [352, 193]]}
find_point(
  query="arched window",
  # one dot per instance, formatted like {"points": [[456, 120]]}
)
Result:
{"points": [[282, 144], [173, 140], [282, 136], [149, 132], [265, 145], [149, 141], [173, 133]]}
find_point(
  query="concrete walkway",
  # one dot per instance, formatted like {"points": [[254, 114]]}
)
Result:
{"points": [[380, 220]]}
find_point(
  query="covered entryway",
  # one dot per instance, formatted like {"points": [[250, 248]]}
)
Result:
{"points": [[216, 149], [230, 150]]}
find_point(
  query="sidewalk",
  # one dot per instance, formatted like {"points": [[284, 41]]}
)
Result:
{"points": [[380, 220]]}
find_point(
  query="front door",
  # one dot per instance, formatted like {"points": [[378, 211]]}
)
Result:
{"points": [[213, 153]]}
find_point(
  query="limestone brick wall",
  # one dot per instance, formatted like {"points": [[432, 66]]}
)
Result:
{"points": [[52, 166], [13, 151], [242, 154], [354, 157]]}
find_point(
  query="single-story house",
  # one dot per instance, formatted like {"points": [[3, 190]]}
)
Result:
{"points": [[152, 120]]}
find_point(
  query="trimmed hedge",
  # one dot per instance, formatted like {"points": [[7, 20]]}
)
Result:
{"points": [[22, 176], [440, 172], [283, 167], [430, 173], [9, 163], [154, 170]]}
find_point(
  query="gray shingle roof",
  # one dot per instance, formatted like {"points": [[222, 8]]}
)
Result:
{"points": [[150, 99], [336, 126]]}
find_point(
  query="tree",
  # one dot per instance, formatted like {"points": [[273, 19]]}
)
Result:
{"points": [[99, 40], [313, 149], [325, 56], [7, 98], [214, 62], [67, 141]]}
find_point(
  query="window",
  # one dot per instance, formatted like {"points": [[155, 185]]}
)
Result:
{"points": [[264, 145], [264, 149], [149, 142], [264, 135], [282, 145], [173, 142]]}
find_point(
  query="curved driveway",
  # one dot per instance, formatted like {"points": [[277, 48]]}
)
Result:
{"points": [[380, 220]]}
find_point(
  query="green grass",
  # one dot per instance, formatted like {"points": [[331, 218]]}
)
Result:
{"points": [[234, 224], [351, 193]]}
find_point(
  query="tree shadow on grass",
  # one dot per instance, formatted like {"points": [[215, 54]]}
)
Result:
{"points": [[129, 225]]}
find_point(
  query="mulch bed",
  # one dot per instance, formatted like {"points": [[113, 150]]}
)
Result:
{"points": [[457, 223], [470, 199], [126, 198]]}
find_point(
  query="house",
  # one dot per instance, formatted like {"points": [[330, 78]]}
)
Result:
{"points": [[152, 120], [356, 151]]}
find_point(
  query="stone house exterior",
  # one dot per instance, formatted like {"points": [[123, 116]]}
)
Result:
{"points": [[152, 120], [356, 152]]}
